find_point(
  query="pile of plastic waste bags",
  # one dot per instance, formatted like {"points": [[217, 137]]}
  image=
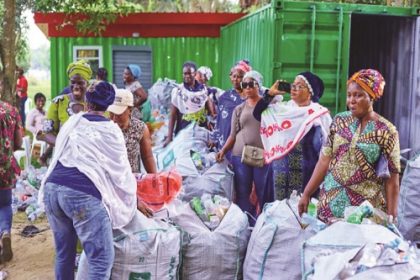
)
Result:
{"points": [[25, 195]]}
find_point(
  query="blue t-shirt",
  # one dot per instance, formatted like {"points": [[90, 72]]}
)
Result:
{"points": [[71, 177], [227, 103]]}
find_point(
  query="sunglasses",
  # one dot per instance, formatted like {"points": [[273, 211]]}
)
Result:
{"points": [[250, 84]]}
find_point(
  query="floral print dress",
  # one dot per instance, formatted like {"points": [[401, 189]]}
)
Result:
{"points": [[132, 136], [9, 123], [351, 177]]}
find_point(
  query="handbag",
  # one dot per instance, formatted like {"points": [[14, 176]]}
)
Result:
{"points": [[251, 155]]}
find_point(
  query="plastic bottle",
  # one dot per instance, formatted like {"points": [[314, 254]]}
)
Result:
{"points": [[35, 215], [312, 207], [15, 203], [363, 211], [196, 158], [196, 205], [30, 209]]}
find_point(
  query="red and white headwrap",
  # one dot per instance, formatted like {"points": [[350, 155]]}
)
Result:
{"points": [[371, 81], [242, 65]]}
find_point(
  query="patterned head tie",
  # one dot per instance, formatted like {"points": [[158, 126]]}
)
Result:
{"points": [[80, 67], [371, 81], [242, 65]]}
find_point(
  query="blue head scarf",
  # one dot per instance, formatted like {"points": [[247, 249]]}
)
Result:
{"points": [[135, 70]]}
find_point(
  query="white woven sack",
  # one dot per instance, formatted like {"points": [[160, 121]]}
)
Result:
{"points": [[217, 179], [144, 249], [217, 254], [274, 248], [340, 237], [193, 137], [328, 267], [409, 202]]}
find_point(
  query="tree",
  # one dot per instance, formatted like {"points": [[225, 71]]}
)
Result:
{"points": [[13, 45]]}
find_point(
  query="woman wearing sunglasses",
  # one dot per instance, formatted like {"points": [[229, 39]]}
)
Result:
{"points": [[245, 131], [227, 103], [293, 132]]}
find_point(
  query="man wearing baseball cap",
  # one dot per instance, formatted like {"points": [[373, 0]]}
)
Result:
{"points": [[136, 134]]}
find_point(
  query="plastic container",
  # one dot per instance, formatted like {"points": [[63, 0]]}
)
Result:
{"points": [[313, 208]]}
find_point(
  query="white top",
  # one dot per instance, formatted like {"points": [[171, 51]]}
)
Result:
{"points": [[97, 149]]}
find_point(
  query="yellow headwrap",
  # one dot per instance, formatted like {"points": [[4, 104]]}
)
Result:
{"points": [[80, 67]]}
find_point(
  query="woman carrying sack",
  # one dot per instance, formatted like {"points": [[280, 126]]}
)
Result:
{"points": [[247, 149]]}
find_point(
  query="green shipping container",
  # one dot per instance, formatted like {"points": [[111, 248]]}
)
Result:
{"points": [[287, 37], [334, 40], [166, 56]]}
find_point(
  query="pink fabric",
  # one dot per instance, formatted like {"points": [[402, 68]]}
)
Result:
{"points": [[243, 66]]}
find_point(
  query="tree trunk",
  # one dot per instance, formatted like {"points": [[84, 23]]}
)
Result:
{"points": [[8, 53]]}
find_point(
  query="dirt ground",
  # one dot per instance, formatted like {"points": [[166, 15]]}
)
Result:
{"points": [[33, 257]]}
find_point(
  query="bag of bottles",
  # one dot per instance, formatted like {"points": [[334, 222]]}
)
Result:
{"points": [[213, 254]]}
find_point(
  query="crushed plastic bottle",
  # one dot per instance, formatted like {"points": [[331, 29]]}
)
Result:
{"points": [[363, 211], [313, 223], [211, 210], [196, 158], [35, 215]]}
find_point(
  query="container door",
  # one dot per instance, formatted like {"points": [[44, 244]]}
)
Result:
{"points": [[390, 44], [314, 38], [415, 102], [142, 56]]}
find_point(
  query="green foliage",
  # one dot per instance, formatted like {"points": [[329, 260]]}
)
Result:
{"points": [[22, 27], [96, 14]]}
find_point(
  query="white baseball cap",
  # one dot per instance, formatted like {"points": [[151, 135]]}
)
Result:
{"points": [[123, 100]]}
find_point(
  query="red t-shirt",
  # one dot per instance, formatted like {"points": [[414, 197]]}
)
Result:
{"points": [[22, 87]]}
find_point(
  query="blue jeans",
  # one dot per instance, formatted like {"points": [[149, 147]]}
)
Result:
{"points": [[6, 212], [22, 109], [245, 175], [73, 214]]}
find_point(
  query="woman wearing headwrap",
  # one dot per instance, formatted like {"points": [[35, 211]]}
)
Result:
{"points": [[190, 102], [89, 189], [203, 76], [66, 105], [245, 131], [142, 109], [360, 140], [227, 103], [293, 132]]}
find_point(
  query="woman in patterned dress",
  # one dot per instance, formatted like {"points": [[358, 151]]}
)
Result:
{"points": [[136, 134], [10, 141], [359, 140]]}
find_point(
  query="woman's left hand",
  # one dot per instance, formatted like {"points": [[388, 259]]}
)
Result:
{"points": [[220, 155], [142, 207], [274, 89]]}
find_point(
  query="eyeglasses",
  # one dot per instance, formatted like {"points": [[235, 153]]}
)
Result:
{"points": [[250, 84], [297, 87]]}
